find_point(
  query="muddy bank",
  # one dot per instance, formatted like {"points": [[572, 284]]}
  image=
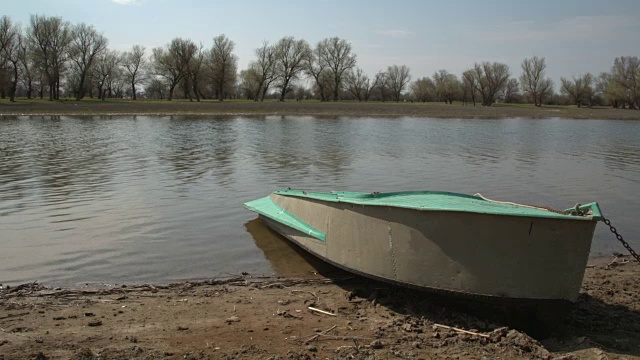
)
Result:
{"points": [[342, 317], [304, 108]]}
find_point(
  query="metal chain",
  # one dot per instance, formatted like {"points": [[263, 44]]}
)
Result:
{"points": [[619, 237]]}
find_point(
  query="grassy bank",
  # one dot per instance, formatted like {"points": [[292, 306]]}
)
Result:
{"points": [[315, 108]]}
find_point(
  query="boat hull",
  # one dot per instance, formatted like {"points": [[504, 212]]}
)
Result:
{"points": [[515, 257]]}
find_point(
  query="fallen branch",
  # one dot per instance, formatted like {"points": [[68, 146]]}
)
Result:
{"points": [[615, 262], [315, 337], [304, 291], [461, 330], [321, 311], [335, 337]]}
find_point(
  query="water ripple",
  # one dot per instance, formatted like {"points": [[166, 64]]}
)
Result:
{"points": [[126, 199]]}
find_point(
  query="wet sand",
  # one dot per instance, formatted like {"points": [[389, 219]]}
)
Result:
{"points": [[249, 317]]}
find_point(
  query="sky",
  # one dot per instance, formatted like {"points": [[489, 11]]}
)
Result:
{"points": [[574, 36]]}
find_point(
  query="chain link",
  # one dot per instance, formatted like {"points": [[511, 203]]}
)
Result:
{"points": [[619, 237]]}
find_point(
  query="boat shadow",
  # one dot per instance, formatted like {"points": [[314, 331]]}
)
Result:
{"points": [[288, 259], [561, 327], [592, 322]]}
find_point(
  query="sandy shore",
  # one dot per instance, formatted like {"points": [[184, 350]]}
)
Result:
{"points": [[271, 318], [304, 108]]}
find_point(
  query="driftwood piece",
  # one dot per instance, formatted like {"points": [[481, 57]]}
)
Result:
{"points": [[460, 330], [321, 311], [315, 337]]}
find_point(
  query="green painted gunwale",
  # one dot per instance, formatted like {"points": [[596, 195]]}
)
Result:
{"points": [[418, 200], [266, 207], [439, 201]]}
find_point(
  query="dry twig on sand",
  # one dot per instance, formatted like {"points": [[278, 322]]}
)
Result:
{"points": [[320, 311], [461, 330], [315, 337]]}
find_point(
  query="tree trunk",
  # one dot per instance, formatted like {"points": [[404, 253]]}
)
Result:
{"points": [[195, 90], [14, 84], [171, 88], [259, 90], [264, 92], [133, 90], [222, 81], [284, 89], [80, 94]]}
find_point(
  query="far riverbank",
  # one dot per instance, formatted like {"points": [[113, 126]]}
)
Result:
{"points": [[122, 107]]}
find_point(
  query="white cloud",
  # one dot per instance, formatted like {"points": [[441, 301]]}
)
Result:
{"points": [[126, 2], [395, 33], [578, 28]]}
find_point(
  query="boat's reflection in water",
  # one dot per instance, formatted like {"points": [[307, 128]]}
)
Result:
{"points": [[287, 259]]}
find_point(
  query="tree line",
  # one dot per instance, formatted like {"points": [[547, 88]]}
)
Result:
{"points": [[51, 57]]}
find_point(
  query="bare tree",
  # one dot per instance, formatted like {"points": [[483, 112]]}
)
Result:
{"points": [[398, 78], [335, 54], [447, 86], [86, 45], [134, 63], [511, 91], [50, 37], [625, 74], [290, 57], [532, 79], [319, 71], [185, 54], [165, 63], [156, 89], [579, 89], [105, 70], [197, 71], [223, 64], [423, 89], [545, 91], [610, 90], [249, 83], [264, 67], [383, 89], [116, 83], [490, 78], [26, 60], [369, 86], [10, 44], [357, 83], [469, 85]]}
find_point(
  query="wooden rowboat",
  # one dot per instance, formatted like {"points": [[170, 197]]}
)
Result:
{"points": [[441, 241]]}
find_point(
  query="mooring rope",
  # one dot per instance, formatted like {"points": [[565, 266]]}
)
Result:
{"points": [[524, 205]]}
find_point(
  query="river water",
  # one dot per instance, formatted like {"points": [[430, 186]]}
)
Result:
{"points": [[159, 199]]}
